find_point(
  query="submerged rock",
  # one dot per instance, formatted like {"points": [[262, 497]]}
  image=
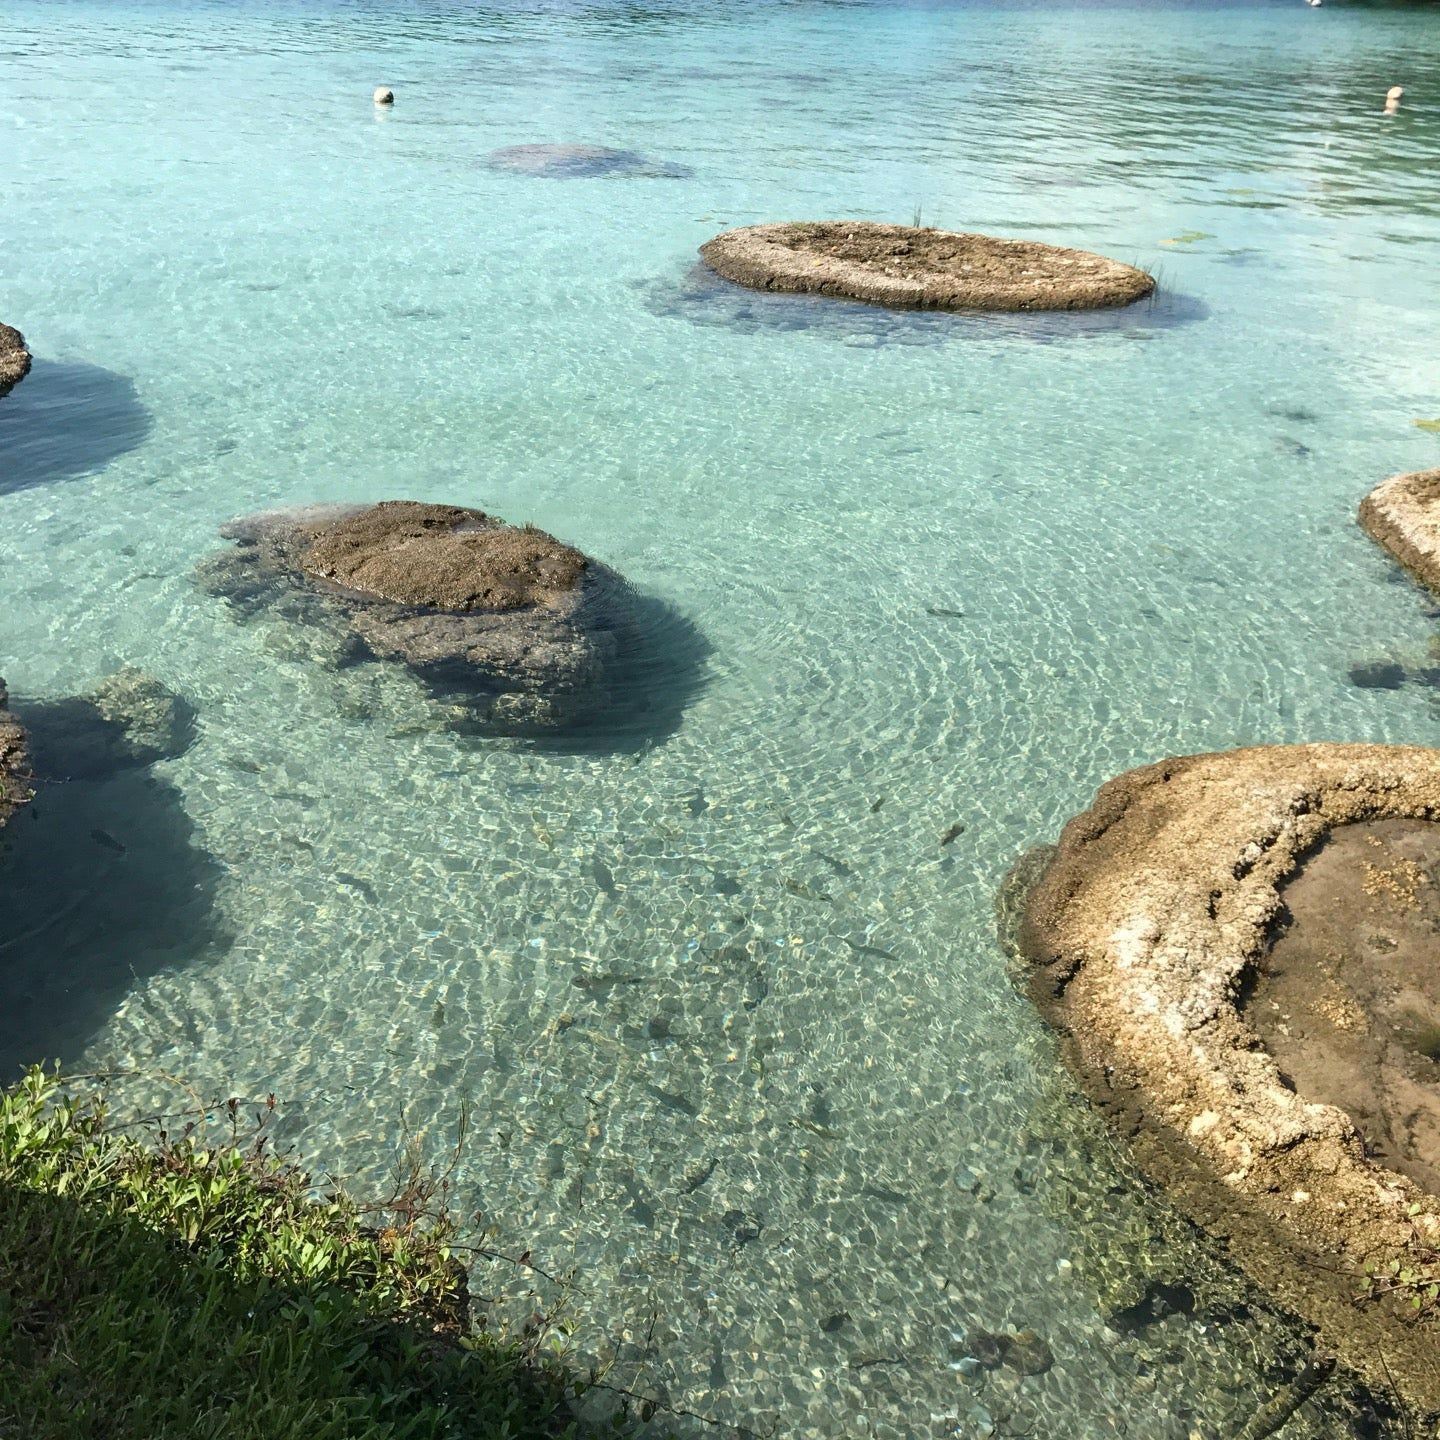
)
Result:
{"points": [[14, 761], [915, 268], [1144, 937], [531, 635], [580, 162], [14, 359], [1403, 515], [128, 720]]}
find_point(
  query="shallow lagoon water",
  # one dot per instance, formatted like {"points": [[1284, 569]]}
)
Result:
{"points": [[734, 1033]]}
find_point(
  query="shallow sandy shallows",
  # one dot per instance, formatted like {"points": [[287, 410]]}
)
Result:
{"points": [[916, 268], [1145, 937]]}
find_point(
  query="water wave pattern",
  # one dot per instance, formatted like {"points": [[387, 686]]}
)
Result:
{"points": [[730, 1021]]}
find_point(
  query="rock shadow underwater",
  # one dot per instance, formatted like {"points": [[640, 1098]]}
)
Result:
{"points": [[66, 420], [702, 297], [102, 881]]}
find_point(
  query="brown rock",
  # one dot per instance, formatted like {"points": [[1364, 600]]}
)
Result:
{"points": [[14, 359], [1155, 913], [1403, 515], [443, 557], [14, 761], [914, 268], [524, 631]]}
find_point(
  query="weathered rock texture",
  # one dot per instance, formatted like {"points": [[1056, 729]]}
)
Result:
{"points": [[1155, 912], [580, 162], [14, 359], [14, 761], [522, 626], [1403, 515], [913, 268]]}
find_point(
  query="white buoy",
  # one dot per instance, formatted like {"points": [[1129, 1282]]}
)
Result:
{"points": [[384, 96], [1392, 99]]}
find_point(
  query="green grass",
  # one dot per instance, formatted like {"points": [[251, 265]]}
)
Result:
{"points": [[153, 1288]]}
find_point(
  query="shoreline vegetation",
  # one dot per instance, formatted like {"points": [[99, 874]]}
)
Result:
{"points": [[156, 1284]]}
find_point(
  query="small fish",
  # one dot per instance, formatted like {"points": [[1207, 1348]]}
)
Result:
{"points": [[1188, 237], [361, 887], [874, 950], [696, 1178], [837, 865], [953, 833], [601, 984], [672, 1101], [831, 1323], [725, 884], [823, 1131], [239, 762], [105, 838], [718, 1378], [697, 804], [876, 803], [883, 1192], [640, 1209], [942, 612], [603, 876], [438, 1018], [807, 892]]}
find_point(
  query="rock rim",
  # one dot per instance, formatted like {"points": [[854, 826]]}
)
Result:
{"points": [[14, 359], [912, 267], [14, 761], [1403, 515], [1139, 937]]}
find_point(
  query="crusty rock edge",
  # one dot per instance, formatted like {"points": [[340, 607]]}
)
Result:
{"points": [[1138, 936], [999, 274], [1403, 515]]}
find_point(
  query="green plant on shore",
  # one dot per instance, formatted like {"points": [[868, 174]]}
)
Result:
{"points": [[161, 1287], [1411, 1280]]}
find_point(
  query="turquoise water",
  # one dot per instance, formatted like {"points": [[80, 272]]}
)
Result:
{"points": [[793, 1127]]}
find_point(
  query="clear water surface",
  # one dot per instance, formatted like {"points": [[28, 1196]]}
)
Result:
{"points": [[733, 1029]]}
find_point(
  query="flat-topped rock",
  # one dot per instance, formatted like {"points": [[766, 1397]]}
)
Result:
{"points": [[14, 761], [1403, 515], [443, 557], [526, 633], [1262, 1081], [14, 359], [919, 268]]}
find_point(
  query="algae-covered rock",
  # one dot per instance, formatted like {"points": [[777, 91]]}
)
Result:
{"points": [[14, 761], [529, 634], [14, 359]]}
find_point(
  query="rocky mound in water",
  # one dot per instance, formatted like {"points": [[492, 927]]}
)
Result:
{"points": [[526, 630], [129, 720], [580, 162], [14, 761], [1403, 515], [14, 359], [1279, 1088], [914, 268]]}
